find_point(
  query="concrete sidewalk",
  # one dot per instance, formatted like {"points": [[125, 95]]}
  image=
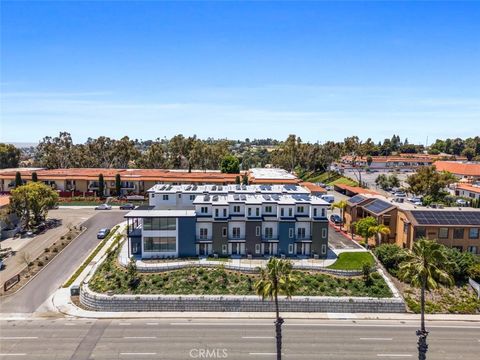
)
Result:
{"points": [[61, 302]]}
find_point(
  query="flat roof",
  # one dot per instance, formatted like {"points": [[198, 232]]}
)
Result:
{"points": [[160, 213]]}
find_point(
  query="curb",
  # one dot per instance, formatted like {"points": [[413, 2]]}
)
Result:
{"points": [[34, 276]]}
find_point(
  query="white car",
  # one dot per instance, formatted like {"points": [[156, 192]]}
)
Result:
{"points": [[461, 202], [103, 207]]}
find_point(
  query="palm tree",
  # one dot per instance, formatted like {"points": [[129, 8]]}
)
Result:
{"points": [[276, 279], [379, 230], [425, 266], [342, 204]]}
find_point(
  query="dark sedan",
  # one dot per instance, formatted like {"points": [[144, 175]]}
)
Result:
{"points": [[336, 219], [127, 207]]}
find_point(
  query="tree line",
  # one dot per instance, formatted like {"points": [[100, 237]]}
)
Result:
{"points": [[180, 152]]}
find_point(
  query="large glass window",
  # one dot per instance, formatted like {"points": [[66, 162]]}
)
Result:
{"points": [[301, 233], [473, 233], [159, 244], [236, 233], [458, 233], [159, 224], [268, 233], [443, 233]]}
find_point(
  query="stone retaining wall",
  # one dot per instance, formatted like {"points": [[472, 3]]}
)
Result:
{"points": [[228, 303]]}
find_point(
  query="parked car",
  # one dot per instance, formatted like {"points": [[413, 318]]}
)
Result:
{"points": [[336, 219], [329, 187], [461, 202], [103, 207], [400, 194], [127, 207], [103, 233]]}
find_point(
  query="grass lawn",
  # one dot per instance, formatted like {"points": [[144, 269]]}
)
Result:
{"points": [[344, 181], [218, 281], [352, 261]]}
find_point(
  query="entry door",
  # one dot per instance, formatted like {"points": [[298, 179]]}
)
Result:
{"points": [[235, 249]]}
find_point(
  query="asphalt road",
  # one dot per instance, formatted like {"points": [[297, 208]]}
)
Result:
{"points": [[231, 339], [34, 294]]}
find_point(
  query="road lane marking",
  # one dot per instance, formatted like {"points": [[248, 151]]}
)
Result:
{"points": [[262, 354], [375, 339], [257, 337], [18, 337], [220, 324], [394, 355], [124, 324], [138, 354], [13, 354], [152, 324], [139, 337], [69, 324]]}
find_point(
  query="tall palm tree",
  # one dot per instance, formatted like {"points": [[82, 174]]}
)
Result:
{"points": [[342, 204], [277, 279], [426, 266]]}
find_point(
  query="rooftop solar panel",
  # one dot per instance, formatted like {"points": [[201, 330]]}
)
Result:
{"points": [[434, 217], [377, 206], [356, 199]]}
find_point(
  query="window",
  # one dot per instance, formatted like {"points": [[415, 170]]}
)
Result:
{"points": [[179, 196], [192, 197], [236, 233], [224, 232], [203, 233], [420, 232], [324, 249], [290, 248], [224, 213], [324, 233], [257, 212], [249, 211], [268, 209], [216, 212], [443, 233], [165, 197], [268, 233], [257, 248], [323, 213], [282, 212], [301, 233], [236, 209], [204, 210], [290, 212], [386, 221], [473, 233], [153, 195], [315, 212], [159, 244], [472, 249], [300, 209], [159, 224], [224, 249], [290, 232], [458, 233]]}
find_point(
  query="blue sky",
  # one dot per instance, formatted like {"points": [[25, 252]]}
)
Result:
{"points": [[321, 70]]}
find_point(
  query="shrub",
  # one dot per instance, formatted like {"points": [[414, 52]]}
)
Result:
{"points": [[461, 262], [40, 263], [47, 250], [474, 272], [390, 255], [366, 270], [55, 250]]}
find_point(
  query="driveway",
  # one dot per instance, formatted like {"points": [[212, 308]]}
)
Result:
{"points": [[338, 241], [35, 246], [36, 292]]}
